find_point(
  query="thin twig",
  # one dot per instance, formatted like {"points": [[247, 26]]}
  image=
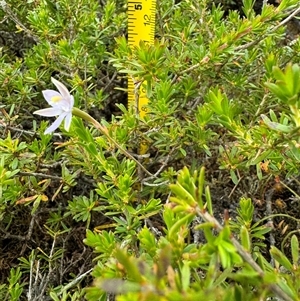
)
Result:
{"points": [[103, 129], [156, 184], [164, 164], [125, 152], [269, 213], [37, 277], [74, 282], [245, 46], [42, 175], [291, 16], [12, 236], [29, 294], [10, 13], [47, 278], [242, 47], [31, 133], [244, 254]]}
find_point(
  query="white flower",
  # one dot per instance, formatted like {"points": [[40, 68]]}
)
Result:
{"points": [[62, 103]]}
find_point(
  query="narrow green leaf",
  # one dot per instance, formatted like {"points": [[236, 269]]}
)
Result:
{"points": [[224, 257], [233, 176], [245, 238], [182, 194], [296, 79], [295, 249], [275, 126], [261, 157], [288, 289], [129, 264], [201, 181], [208, 200], [281, 258], [183, 221], [185, 275]]}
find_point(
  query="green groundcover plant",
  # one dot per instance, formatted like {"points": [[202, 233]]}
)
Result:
{"points": [[84, 215]]}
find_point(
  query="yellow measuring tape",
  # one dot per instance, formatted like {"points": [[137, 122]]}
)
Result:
{"points": [[141, 27]]}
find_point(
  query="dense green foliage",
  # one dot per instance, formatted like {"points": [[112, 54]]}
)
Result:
{"points": [[80, 220]]}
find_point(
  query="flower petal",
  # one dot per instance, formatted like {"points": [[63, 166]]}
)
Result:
{"points": [[71, 102], [52, 97], [68, 120], [61, 88], [49, 112], [55, 124], [65, 105]]}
